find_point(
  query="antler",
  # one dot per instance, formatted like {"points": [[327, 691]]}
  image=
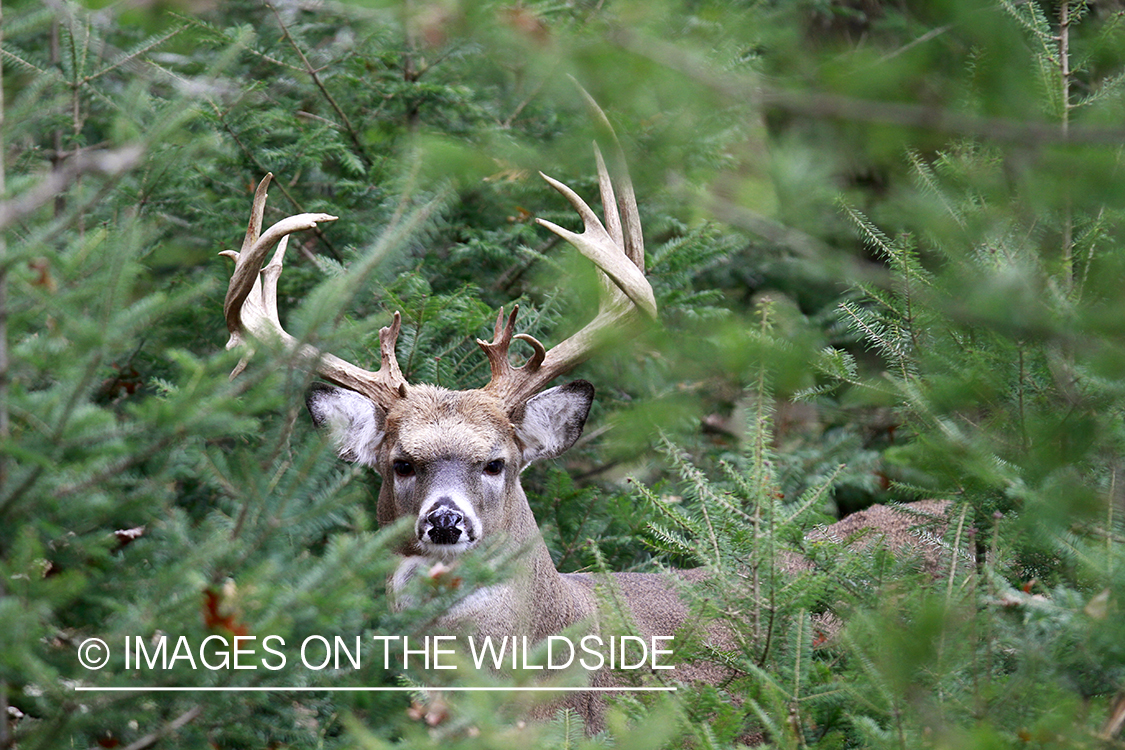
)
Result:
{"points": [[617, 249], [251, 307]]}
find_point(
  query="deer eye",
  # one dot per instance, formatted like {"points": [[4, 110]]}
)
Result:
{"points": [[403, 468], [493, 468]]}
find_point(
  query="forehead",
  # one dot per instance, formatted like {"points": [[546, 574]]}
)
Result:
{"points": [[435, 423]]}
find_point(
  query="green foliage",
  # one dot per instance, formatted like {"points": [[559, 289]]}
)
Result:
{"points": [[885, 241]]}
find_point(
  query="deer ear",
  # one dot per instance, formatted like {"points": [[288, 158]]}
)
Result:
{"points": [[355, 422], [552, 421]]}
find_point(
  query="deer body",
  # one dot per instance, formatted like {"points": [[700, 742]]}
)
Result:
{"points": [[451, 461]]}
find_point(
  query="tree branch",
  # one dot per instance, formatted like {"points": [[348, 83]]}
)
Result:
{"points": [[108, 163], [833, 106], [151, 739], [352, 134]]}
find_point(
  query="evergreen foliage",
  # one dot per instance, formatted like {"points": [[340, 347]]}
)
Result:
{"points": [[886, 243]]}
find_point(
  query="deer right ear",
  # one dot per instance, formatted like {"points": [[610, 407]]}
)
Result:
{"points": [[355, 422]]}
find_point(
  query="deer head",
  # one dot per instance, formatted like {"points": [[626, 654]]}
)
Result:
{"points": [[451, 460]]}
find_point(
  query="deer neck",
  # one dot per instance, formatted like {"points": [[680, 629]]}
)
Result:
{"points": [[556, 602]]}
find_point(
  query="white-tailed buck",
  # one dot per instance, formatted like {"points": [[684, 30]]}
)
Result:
{"points": [[451, 460]]}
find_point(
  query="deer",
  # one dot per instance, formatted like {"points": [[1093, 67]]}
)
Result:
{"points": [[451, 461]]}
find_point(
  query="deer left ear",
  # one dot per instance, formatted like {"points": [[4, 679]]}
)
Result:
{"points": [[553, 420]]}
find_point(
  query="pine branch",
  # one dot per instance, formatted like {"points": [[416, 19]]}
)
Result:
{"points": [[1108, 88], [126, 58], [674, 543], [703, 494], [873, 236], [27, 64], [679, 519], [875, 333], [925, 176], [1031, 17], [315, 76], [814, 495]]}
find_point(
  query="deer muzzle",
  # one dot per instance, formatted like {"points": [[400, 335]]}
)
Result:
{"points": [[445, 525]]}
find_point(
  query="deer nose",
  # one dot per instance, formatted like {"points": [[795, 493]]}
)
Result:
{"points": [[444, 524]]}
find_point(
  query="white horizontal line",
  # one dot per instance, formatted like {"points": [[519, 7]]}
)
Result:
{"points": [[536, 689]]}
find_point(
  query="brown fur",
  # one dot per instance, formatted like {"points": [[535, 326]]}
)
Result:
{"points": [[912, 528], [449, 435]]}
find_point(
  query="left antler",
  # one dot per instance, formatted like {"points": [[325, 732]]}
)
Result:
{"points": [[251, 307]]}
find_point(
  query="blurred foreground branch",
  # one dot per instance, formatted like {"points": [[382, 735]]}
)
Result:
{"points": [[151, 739], [108, 163], [834, 106]]}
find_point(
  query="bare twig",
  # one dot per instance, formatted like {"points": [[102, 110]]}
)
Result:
{"points": [[931, 34], [151, 739], [1109, 522], [507, 123], [351, 131], [1065, 78], [832, 106], [57, 157], [509, 277], [1116, 719]]}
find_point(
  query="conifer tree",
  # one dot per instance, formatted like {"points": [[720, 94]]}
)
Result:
{"points": [[905, 220]]}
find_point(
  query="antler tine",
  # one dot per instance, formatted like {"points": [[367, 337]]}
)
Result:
{"points": [[389, 375], [504, 373], [626, 292], [251, 307], [609, 201], [631, 237], [596, 243]]}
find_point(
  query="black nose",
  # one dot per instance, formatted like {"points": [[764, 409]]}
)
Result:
{"points": [[443, 526]]}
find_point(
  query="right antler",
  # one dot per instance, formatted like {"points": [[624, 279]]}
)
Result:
{"points": [[251, 307], [617, 249]]}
